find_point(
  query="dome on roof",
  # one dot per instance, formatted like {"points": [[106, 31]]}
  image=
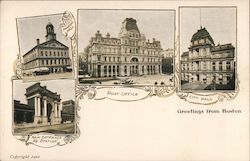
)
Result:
{"points": [[49, 24], [201, 34]]}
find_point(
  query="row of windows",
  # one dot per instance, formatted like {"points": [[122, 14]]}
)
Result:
{"points": [[106, 50], [54, 62], [203, 65], [201, 41], [132, 42], [44, 54], [126, 50], [137, 51], [201, 51], [109, 41], [133, 69], [117, 59], [54, 53], [134, 35]]}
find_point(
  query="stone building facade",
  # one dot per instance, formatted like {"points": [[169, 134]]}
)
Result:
{"points": [[48, 57], [206, 62], [128, 55], [68, 111], [43, 106]]}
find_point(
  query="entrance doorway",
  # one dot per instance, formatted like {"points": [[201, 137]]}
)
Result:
{"points": [[49, 110], [134, 66]]}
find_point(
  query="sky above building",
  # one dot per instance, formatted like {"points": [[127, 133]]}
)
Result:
{"points": [[153, 24], [64, 87], [219, 22], [32, 28]]}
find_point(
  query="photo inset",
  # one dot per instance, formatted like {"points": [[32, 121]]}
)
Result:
{"points": [[44, 107], [45, 52], [208, 48], [126, 47]]}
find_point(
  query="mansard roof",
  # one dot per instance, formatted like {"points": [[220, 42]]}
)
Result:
{"points": [[184, 54], [222, 47], [201, 34], [131, 24]]}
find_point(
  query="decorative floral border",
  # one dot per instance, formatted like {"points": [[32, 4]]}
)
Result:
{"points": [[68, 27], [91, 91]]}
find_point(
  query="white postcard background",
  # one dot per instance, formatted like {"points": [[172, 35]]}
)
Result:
{"points": [[150, 129]]}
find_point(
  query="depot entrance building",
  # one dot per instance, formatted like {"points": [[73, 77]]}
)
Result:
{"points": [[42, 108]]}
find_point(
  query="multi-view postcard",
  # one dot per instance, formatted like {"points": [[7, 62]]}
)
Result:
{"points": [[125, 80]]}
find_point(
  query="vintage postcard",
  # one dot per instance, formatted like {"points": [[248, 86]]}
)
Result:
{"points": [[124, 80]]}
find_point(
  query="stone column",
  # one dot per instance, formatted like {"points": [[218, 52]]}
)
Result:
{"points": [[111, 72], [121, 70], [45, 118], [55, 109], [45, 106], [102, 71], [59, 114], [35, 98], [38, 106]]}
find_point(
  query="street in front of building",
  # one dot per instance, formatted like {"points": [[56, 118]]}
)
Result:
{"points": [[42, 109], [67, 128]]}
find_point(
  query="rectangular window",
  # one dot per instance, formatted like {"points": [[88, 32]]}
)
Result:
{"points": [[99, 58], [220, 66], [213, 66], [228, 66]]}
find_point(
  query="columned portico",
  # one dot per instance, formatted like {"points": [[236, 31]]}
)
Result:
{"points": [[45, 103], [44, 117]]}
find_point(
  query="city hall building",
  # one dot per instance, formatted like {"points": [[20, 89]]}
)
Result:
{"points": [[206, 62], [49, 57], [128, 55]]}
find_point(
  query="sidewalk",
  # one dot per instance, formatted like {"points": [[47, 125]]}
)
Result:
{"points": [[194, 86], [55, 129]]}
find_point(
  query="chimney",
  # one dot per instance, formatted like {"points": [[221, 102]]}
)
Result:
{"points": [[108, 35], [153, 39], [37, 41]]}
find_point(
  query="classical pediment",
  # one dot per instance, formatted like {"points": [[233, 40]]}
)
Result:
{"points": [[53, 43]]}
